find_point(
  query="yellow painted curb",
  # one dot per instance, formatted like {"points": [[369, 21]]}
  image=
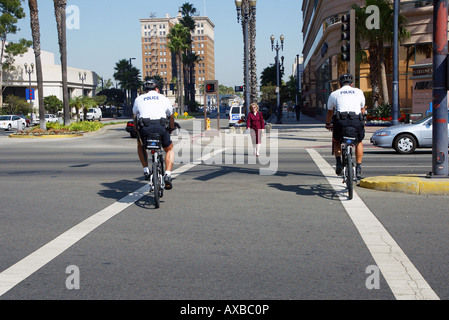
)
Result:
{"points": [[407, 184], [54, 136]]}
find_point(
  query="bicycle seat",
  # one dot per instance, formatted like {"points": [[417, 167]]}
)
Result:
{"points": [[349, 140], [153, 141]]}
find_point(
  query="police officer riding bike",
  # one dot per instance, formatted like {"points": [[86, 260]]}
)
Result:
{"points": [[153, 114], [345, 117]]}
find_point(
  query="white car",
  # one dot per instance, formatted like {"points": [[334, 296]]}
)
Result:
{"points": [[10, 122], [51, 118], [94, 114]]}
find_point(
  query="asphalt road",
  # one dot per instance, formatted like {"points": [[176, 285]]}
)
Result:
{"points": [[225, 232]]}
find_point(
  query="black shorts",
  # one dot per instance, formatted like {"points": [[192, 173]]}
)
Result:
{"points": [[156, 128], [348, 128]]}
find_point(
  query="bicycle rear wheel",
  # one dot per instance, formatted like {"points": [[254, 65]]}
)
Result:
{"points": [[349, 172], [156, 184]]}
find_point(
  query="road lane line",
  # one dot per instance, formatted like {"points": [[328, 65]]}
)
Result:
{"points": [[404, 280], [15, 274]]}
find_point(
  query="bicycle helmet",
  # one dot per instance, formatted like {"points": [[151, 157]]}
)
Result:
{"points": [[346, 78], [150, 84]]}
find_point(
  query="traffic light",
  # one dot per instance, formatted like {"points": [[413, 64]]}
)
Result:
{"points": [[238, 88], [345, 36], [210, 87]]}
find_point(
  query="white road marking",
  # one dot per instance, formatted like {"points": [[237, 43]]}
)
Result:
{"points": [[15, 274], [404, 279]]}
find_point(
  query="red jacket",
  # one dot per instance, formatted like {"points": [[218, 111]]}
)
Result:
{"points": [[255, 121]]}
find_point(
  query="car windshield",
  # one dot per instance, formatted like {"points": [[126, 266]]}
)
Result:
{"points": [[4, 118], [91, 110], [423, 120]]}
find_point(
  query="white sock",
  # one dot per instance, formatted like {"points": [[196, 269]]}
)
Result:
{"points": [[146, 170], [168, 173]]}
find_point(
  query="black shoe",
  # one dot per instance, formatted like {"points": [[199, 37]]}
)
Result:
{"points": [[338, 168], [168, 182], [147, 176], [358, 171]]}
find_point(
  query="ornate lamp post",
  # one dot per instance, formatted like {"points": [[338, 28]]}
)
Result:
{"points": [[247, 13], [82, 78], [29, 69], [278, 47]]}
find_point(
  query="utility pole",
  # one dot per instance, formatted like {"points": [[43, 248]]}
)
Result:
{"points": [[439, 103], [395, 107]]}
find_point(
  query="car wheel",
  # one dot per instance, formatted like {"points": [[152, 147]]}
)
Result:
{"points": [[405, 144], [9, 127], [133, 135], [23, 126]]}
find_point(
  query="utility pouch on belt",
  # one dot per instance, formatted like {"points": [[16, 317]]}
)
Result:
{"points": [[346, 115], [146, 122]]}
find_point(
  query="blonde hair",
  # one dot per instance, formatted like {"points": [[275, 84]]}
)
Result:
{"points": [[253, 107]]}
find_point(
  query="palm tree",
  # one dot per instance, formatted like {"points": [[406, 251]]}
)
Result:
{"points": [[60, 8], [178, 44], [377, 38], [77, 103], [252, 76], [35, 32], [189, 58]]}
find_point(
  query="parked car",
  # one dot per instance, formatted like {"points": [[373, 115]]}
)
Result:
{"points": [[51, 118], [405, 138], [130, 129], [9, 122], [94, 114]]}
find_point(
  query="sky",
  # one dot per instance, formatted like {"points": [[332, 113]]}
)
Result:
{"points": [[109, 30]]}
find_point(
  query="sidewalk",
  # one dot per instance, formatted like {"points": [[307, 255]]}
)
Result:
{"points": [[310, 132]]}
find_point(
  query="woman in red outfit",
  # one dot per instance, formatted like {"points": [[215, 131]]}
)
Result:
{"points": [[256, 124]]}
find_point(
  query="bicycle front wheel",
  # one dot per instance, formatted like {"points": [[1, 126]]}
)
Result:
{"points": [[349, 172], [156, 184]]}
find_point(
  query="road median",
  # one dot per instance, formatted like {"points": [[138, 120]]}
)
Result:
{"points": [[413, 184]]}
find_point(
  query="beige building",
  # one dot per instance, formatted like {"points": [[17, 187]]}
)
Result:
{"points": [[157, 58], [79, 81], [323, 64]]}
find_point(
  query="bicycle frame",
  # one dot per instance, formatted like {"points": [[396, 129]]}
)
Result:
{"points": [[349, 174], [156, 183]]}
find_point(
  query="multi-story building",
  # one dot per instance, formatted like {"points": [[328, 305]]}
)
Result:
{"points": [[323, 63], [157, 58]]}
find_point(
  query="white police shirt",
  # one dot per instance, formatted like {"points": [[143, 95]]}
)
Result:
{"points": [[346, 99], [152, 105]]}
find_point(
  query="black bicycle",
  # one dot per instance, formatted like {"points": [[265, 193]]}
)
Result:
{"points": [[153, 144], [349, 177]]}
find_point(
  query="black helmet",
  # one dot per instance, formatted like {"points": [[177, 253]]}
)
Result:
{"points": [[150, 84], [346, 78]]}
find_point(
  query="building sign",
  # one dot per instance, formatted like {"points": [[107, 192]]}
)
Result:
{"points": [[422, 86]]}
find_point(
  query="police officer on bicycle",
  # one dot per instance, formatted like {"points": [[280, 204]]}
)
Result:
{"points": [[346, 109], [153, 113]]}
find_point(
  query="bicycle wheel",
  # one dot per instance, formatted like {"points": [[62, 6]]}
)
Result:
{"points": [[349, 175], [156, 185], [162, 173]]}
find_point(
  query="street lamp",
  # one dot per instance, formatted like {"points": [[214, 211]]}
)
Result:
{"points": [[82, 78], [278, 47], [29, 69], [247, 13]]}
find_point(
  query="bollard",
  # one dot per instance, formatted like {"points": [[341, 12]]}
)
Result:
{"points": [[208, 124]]}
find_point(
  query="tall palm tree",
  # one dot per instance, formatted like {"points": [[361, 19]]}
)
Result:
{"points": [[177, 44], [35, 32], [60, 7], [188, 11], [252, 76]]}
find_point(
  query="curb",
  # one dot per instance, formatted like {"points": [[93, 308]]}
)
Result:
{"points": [[55, 136], [407, 184]]}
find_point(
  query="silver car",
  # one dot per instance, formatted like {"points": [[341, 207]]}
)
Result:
{"points": [[405, 138]]}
